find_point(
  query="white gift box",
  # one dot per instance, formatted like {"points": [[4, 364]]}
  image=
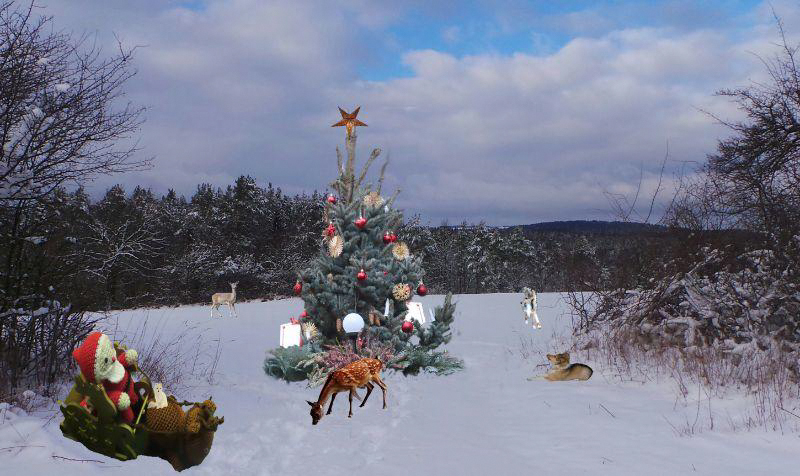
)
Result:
{"points": [[415, 312], [291, 334]]}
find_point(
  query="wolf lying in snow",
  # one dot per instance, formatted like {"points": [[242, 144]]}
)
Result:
{"points": [[562, 370]]}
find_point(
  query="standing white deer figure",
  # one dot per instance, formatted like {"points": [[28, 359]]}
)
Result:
{"points": [[529, 307], [225, 298]]}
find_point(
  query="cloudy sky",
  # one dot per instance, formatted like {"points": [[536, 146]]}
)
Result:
{"points": [[508, 112]]}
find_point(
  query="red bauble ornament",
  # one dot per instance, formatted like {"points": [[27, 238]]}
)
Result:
{"points": [[298, 288], [361, 275], [331, 230], [304, 315], [361, 222], [407, 327], [393, 237], [385, 273], [387, 238], [331, 199], [421, 289]]}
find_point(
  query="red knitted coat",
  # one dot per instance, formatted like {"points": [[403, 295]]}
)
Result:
{"points": [[115, 390], [100, 363]]}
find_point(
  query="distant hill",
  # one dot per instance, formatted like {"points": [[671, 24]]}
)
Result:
{"points": [[593, 226], [580, 226]]}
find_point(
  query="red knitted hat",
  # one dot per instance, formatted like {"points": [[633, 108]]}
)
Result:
{"points": [[85, 355], [97, 356]]}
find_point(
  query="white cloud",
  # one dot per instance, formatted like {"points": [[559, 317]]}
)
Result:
{"points": [[251, 87], [555, 131]]}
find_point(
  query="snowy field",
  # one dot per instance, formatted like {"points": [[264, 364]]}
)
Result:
{"points": [[485, 420]]}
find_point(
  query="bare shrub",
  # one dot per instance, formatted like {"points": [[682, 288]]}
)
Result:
{"points": [[175, 359], [765, 377], [36, 344]]}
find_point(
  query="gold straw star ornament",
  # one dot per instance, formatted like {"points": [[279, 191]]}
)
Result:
{"points": [[349, 120]]}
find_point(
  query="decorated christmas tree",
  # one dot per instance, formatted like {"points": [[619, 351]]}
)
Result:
{"points": [[364, 268]]}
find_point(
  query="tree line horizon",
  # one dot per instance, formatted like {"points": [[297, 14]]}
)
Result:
{"points": [[130, 249]]}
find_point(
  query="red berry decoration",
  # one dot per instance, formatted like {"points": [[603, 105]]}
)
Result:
{"points": [[331, 230], [393, 237], [387, 238], [331, 199], [361, 275], [304, 315], [298, 288], [421, 289], [361, 222], [407, 327]]}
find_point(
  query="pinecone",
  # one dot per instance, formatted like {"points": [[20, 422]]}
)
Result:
{"points": [[335, 246], [210, 406], [193, 419]]}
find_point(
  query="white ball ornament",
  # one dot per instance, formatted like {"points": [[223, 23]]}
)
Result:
{"points": [[353, 322]]}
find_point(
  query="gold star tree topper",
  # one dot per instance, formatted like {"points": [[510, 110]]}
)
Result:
{"points": [[349, 120]]}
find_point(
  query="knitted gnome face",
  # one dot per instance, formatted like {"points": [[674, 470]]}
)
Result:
{"points": [[98, 360]]}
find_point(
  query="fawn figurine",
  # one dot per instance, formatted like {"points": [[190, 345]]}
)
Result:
{"points": [[358, 374]]}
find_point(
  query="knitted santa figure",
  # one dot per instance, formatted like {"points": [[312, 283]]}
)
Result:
{"points": [[100, 363]]}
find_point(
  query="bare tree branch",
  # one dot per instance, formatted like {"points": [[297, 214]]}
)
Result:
{"points": [[383, 170], [658, 187], [63, 118], [375, 153]]}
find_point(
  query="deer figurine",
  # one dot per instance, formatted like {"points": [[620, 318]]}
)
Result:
{"points": [[529, 307], [358, 374], [225, 298]]}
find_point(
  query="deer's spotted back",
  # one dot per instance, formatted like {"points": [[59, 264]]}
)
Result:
{"points": [[374, 365], [357, 373]]}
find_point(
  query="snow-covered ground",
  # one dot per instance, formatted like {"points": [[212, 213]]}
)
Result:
{"points": [[486, 420]]}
